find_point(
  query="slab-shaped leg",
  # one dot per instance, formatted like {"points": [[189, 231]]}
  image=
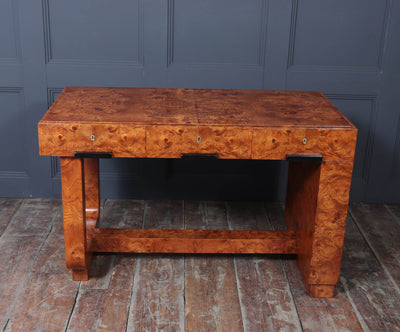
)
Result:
{"points": [[72, 178], [92, 202], [316, 207]]}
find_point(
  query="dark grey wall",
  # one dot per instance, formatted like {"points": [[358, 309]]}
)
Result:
{"points": [[349, 50]]}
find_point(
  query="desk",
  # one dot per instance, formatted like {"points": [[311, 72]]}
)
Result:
{"points": [[87, 123]]}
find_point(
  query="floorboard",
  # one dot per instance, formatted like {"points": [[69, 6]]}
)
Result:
{"points": [[394, 210], [128, 292], [212, 302], [49, 293], [8, 207], [382, 233], [20, 246], [103, 302], [158, 296], [265, 298]]}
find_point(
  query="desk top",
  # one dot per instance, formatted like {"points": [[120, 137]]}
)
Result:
{"points": [[250, 108], [165, 123]]}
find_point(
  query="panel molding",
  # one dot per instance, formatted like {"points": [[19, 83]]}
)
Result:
{"points": [[218, 65], [54, 161], [385, 33], [137, 63], [13, 175], [11, 89], [46, 31], [292, 42], [51, 93], [396, 153], [371, 128], [17, 60], [55, 171], [292, 34], [170, 32], [7, 175]]}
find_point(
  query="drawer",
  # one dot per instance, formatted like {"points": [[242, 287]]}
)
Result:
{"points": [[172, 141], [65, 140], [123, 141], [332, 144]]}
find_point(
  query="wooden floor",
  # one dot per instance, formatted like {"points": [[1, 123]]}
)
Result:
{"points": [[192, 292]]}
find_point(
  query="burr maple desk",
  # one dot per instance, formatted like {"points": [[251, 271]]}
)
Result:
{"points": [[87, 123]]}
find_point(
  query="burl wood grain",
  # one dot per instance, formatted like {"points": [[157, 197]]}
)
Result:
{"points": [[163, 123], [65, 139], [248, 108], [92, 199], [172, 141], [316, 207], [194, 241], [72, 179], [277, 143], [233, 124]]}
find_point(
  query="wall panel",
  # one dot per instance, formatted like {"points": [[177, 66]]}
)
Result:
{"points": [[94, 31], [13, 166], [10, 45], [338, 47], [216, 44], [9, 38], [347, 49], [339, 34]]}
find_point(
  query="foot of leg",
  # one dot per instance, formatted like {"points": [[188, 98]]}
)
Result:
{"points": [[80, 275], [321, 290], [316, 207], [76, 251]]}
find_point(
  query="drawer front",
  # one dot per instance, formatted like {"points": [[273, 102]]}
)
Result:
{"points": [[65, 140], [332, 144], [172, 141], [123, 141]]}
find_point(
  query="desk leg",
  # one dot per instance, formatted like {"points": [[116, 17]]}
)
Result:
{"points": [[316, 207], [92, 202], [73, 192]]}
